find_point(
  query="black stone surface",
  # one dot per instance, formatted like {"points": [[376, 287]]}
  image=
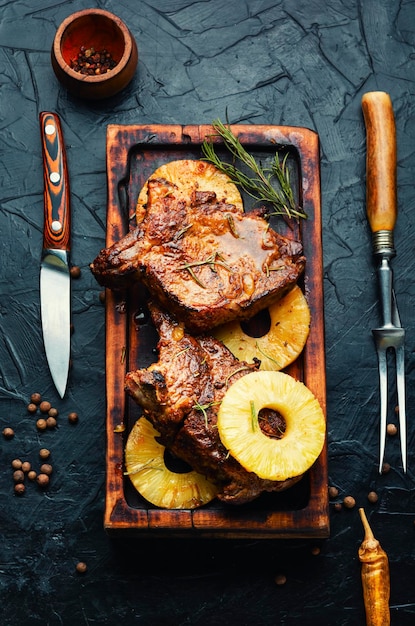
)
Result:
{"points": [[294, 62]]}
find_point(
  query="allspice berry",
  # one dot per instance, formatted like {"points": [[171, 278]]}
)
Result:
{"points": [[391, 429], [19, 489], [51, 422], [349, 502], [280, 579], [44, 453], [18, 476], [46, 468], [8, 433], [32, 407], [372, 496], [36, 398], [333, 492], [75, 271], [45, 406], [81, 567], [41, 424], [42, 480], [73, 417]]}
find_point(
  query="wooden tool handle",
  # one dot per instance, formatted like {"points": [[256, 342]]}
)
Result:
{"points": [[56, 232], [381, 206]]}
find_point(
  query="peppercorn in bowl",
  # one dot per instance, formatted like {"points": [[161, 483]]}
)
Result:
{"points": [[94, 55]]}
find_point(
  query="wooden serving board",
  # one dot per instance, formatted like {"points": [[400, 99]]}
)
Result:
{"points": [[133, 153]]}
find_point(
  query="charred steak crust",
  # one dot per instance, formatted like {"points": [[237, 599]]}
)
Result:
{"points": [[202, 259], [180, 395]]}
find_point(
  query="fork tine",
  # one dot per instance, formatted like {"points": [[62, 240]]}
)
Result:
{"points": [[400, 384], [383, 384]]}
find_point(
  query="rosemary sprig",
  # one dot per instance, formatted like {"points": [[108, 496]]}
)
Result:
{"points": [[267, 355], [203, 408], [260, 185], [254, 419], [214, 259]]}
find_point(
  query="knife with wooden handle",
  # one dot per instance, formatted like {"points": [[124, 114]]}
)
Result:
{"points": [[54, 270]]}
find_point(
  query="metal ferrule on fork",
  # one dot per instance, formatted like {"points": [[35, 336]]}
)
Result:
{"points": [[383, 243]]}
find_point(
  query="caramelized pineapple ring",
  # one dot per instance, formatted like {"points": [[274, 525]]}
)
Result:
{"points": [[240, 431], [282, 344], [188, 176], [145, 465]]}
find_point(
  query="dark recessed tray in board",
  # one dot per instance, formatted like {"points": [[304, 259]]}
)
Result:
{"points": [[133, 153]]}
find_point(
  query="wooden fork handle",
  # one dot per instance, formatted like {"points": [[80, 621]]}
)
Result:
{"points": [[381, 193]]}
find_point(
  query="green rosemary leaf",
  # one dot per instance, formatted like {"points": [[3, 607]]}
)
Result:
{"points": [[258, 186]]}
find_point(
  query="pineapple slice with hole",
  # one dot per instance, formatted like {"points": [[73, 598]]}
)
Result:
{"points": [[146, 467], [289, 327], [189, 175], [301, 440]]}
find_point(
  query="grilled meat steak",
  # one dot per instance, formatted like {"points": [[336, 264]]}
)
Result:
{"points": [[202, 259], [180, 395]]}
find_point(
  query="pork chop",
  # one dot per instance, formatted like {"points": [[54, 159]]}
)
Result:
{"points": [[202, 259], [181, 394]]}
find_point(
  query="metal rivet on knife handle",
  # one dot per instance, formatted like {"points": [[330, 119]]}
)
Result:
{"points": [[381, 209]]}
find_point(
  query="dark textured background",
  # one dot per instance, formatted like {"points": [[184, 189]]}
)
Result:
{"points": [[293, 62]]}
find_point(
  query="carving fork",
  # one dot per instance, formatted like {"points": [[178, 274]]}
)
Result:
{"points": [[381, 209]]}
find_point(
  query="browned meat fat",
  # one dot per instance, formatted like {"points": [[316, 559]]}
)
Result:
{"points": [[191, 373], [203, 260]]}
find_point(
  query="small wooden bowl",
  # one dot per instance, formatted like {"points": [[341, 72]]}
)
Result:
{"points": [[98, 29]]}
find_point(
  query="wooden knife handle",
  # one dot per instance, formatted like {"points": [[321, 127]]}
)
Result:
{"points": [[57, 228], [381, 194]]}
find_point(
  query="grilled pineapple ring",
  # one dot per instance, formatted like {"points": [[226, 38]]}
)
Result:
{"points": [[145, 465], [282, 344], [239, 430], [188, 176]]}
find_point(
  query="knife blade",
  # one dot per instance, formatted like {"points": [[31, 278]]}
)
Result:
{"points": [[54, 269]]}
